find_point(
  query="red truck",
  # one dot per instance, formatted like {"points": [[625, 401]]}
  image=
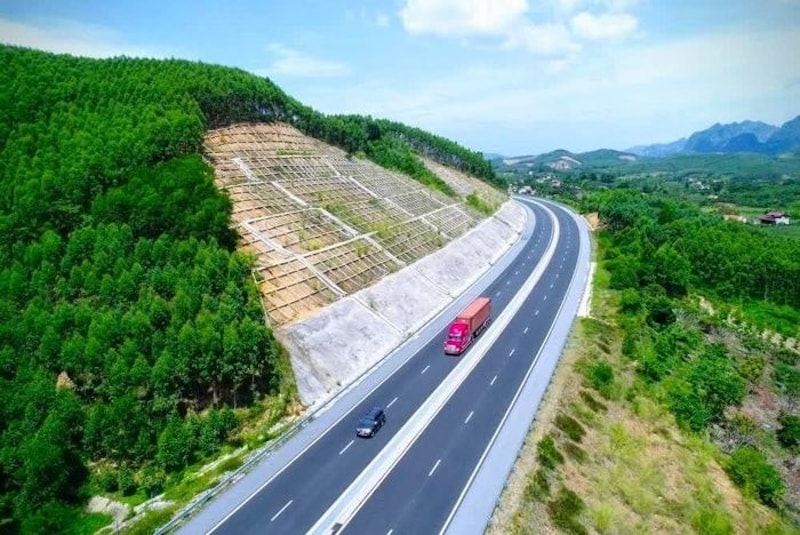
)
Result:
{"points": [[467, 325]]}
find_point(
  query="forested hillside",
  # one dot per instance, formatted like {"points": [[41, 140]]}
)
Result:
{"points": [[129, 327], [714, 371]]}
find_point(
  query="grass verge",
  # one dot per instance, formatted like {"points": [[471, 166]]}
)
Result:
{"points": [[626, 466]]}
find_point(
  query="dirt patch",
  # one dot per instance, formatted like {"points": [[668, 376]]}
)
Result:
{"points": [[593, 219], [118, 511]]}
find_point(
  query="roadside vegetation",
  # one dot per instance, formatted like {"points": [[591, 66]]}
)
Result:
{"points": [[133, 346], [676, 405]]}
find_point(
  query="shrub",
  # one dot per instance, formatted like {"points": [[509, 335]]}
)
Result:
{"points": [[126, 481], [538, 487], [570, 426], [660, 313], [547, 453], [601, 375], [564, 510], [751, 368], [152, 479], [592, 403], [789, 432], [630, 301], [575, 451], [712, 384], [107, 480], [749, 469], [787, 379]]}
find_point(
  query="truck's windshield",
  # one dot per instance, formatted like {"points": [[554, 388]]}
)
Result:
{"points": [[454, 337]]}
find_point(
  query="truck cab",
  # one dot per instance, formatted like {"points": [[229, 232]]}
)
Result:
{"points": [[458, 339], [469, 323]]}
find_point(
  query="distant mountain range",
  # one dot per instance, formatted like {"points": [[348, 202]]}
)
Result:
{"points": [[741, 138], [746, 136]]}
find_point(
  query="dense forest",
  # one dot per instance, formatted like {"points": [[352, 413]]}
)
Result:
{"points": [[130, 328]]}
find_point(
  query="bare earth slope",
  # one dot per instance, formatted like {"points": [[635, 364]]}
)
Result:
{"points": [[328, 230]]}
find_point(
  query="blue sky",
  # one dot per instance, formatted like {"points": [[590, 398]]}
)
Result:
{"points": [[508, 76]]}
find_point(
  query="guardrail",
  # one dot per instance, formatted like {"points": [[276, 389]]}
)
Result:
{"points": [[237, 474]]}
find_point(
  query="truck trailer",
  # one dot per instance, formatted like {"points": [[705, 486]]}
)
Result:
{"points": [[468, 325]]}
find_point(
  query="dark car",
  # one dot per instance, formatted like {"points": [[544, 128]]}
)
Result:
{"points": [[371, 422]]}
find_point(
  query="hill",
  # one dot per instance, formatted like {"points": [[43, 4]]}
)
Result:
{"points": [[130, 326], [564, 160], [717, 137], [659, 150]]}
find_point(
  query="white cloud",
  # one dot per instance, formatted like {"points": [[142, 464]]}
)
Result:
{"points": [[291, 62], [549, 40], [607, 26], [462, 18], [552, 30], [649, 92], [70, 37]]}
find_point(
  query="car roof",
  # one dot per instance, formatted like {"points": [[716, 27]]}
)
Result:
{"points": [[374, 411]]}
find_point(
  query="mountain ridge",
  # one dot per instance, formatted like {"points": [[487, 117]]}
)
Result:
{"points": [[743, 136]]}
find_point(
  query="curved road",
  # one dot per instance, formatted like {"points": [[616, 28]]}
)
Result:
{"points": [[422, 490], [419, 495]]}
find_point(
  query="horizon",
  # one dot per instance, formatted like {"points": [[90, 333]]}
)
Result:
{"points": [[504, 76]]}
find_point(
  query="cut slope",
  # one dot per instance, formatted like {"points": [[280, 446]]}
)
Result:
{"points": [[321, 224]]}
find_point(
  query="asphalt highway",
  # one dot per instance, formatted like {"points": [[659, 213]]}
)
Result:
{"points": [[422, 489], [420, 492]]}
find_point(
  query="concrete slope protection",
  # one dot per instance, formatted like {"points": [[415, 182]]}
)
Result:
{"points": [[300, 482], [423, 491]]}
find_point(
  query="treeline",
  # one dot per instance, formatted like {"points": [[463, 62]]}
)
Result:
{"points": [[395, 146], [658, 250], [675, 245]]}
